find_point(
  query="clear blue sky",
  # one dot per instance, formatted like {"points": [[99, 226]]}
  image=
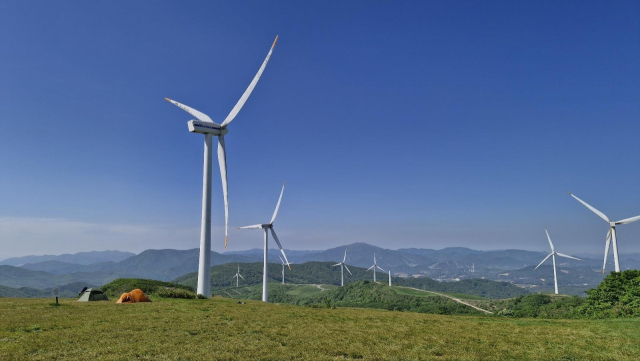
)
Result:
{"points": [[401, 124]]}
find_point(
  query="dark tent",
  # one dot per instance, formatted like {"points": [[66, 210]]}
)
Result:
{"points": [[92, 294]]}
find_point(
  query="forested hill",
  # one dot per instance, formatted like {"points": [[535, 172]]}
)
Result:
{"points": [[325, 273], [367, 294]]}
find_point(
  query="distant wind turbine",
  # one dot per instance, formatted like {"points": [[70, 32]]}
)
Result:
{"points": [[284, 264], [204, 125], [375, 265], [238, 276], [343, 265], [553, 255], [611, 235], [389, 278], [269, 227]]}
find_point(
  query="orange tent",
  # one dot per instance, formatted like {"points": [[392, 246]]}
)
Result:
{"points": [[134, 296]]}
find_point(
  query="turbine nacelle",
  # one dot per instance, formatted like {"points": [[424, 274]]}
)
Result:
{"points": [[613, 224], [197, 126]]}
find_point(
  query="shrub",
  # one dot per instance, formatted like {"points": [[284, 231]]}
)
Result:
{"points": [[617, 296], [170, 292]]}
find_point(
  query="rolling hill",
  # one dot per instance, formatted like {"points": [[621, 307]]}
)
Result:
{"points": [[323, 273]]}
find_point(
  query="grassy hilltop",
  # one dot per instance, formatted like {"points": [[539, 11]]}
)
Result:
{"points": [[223, 329]]}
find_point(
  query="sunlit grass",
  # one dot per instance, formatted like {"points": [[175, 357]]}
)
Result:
{"points": [[223, 329]]}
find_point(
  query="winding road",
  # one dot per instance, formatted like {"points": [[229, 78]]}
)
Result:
{"points": [[451, 298]]}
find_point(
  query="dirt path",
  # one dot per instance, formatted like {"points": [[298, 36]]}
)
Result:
{"points": [[320, 287], [452, 298]]}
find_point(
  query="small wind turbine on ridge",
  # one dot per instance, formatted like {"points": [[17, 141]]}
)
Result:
{"points": [[238, 276], [284, 264], [554, 254], [343, 265], [375, 265], [269, 227]]}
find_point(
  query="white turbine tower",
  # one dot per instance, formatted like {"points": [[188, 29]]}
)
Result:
{"points": [[284, 264], [553, 254], [375, 265], [611, 235], [269, 227], [204, 125], [343, 265], [389, 278], [238, 276]]}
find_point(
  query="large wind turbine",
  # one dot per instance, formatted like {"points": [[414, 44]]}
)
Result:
{"points": [[269, 227], [204, 125], [611, 234], [238, 276], [553, 254], [375, 265], [343, 265]]}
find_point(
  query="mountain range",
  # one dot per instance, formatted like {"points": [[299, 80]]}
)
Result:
{"points": [[448, 264]]}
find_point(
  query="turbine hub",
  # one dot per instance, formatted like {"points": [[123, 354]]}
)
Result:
{"points": [[612, 224]]}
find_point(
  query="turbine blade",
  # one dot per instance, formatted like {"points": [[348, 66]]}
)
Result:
{"points": [[380, 268], [236, 276], [549, 238], [629, 220], [345, 266], [245, 96], [281, 260], [275, 238], [566, 256], [240, 276], [345, 256], [199, 115], [600, 214], [222, 162], [546, 258], [337, 264], [606, 250], [275, 213], [255, 226], [371, 267]]}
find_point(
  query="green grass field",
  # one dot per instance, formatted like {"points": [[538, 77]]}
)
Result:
{"points": [[223, 329]]}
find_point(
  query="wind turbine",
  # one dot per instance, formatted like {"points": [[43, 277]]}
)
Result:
{"points": [[343, 265], [375, 265], [238, 276], [204, 125], [611, 234], [269, 227], [283, 264], [553, 255]]}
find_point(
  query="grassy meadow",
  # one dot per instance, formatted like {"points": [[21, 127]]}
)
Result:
{"points": [[221, 328]]}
